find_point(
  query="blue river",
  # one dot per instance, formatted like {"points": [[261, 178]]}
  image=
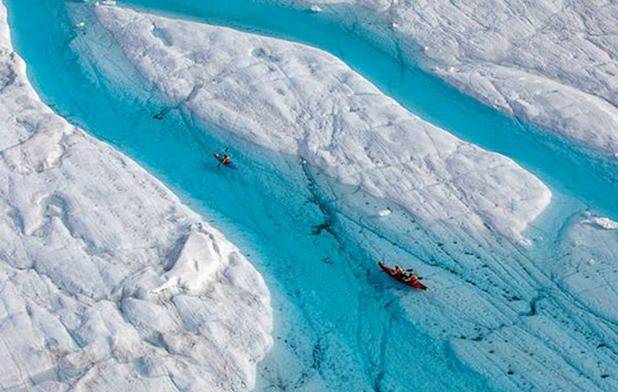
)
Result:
{"points": [[339, 322]]}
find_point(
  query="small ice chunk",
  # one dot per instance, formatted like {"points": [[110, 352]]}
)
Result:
{"points": [[315, 9], [384, 212], [602, 223]]}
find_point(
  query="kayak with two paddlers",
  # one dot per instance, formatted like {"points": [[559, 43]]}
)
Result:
{"points": [[407, 277]]}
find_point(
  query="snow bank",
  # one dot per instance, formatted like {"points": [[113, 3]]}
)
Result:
{"points": [[300, 100], [86, 238], [201, 257], [552, 62]]}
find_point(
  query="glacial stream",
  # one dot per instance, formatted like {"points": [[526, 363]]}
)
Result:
{"points": [[340, 324]]}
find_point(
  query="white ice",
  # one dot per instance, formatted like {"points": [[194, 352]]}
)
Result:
{"points": [[553, 62], [303, 101], [107, 282]]}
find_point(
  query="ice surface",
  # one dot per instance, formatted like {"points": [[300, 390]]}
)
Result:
{"points": [[525, 320], [589, 267], [107, 282], [303, 101], [551, 62]]}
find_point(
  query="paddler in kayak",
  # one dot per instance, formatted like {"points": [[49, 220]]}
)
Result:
{"points": [[406, 275], [410, 276], [223, 158], [398, 271]]}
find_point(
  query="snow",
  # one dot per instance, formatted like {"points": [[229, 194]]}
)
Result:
{"points": [[553, 62], [602, 222], [198, 263], [302, 101], [108, 282]]}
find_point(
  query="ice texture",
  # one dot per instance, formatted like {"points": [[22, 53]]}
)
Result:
{"points": [[107, 281], [303, 101], [553, 62], [590, 268]]}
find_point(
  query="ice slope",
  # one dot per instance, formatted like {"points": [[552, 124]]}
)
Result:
{"points": [[107, 282], [553, 62], [303, 101]]}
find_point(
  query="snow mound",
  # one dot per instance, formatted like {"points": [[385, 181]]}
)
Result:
{"points": [[201, 258], [86, 237], [299, 100], [551, 62]]}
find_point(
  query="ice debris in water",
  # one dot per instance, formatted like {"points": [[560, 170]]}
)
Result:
{"points": [[602, 223], [315, 9], [106, 2], [385, 212]]}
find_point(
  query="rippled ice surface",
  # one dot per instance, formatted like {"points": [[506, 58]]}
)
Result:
{"points": [[340, 325]]}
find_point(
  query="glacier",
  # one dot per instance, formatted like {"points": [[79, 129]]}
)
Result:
{"points": [[302, 101], [550, 62], [107, 281], [206, 70], [518, 299]]}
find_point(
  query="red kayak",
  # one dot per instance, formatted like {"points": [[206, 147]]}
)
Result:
{"points": [[414, 282]]}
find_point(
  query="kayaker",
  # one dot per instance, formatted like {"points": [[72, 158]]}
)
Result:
{"points": [[410, 276], [223, 158]]}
